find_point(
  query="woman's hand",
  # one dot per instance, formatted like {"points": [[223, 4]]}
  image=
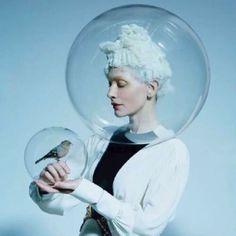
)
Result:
{"points": [[54, 172], [53, 179], [65, 186]]}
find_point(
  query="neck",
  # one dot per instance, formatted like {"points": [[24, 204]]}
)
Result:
{"points": [[143, 121]]}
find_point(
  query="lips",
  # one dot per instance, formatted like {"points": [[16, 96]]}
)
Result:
{"points": [[116, 105]]}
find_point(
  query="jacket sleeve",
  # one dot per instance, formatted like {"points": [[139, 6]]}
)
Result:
{"points": [[59, 203], [52, 203], [159, 203]]}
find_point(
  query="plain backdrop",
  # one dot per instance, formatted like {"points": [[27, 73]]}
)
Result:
{"points": [[35, 37]]}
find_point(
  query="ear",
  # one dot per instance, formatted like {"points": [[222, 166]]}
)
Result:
{"points": [[152, 88]]}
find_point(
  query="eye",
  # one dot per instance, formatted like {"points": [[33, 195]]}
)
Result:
{"points": [[121, 83]]}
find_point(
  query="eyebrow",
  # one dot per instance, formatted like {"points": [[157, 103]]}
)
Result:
{"points": [[116, 78]]}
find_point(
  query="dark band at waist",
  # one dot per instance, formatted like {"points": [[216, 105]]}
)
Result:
{"points": [[101, 220], [95, 215]]}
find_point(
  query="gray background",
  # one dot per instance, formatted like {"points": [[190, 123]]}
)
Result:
{"points": [[35, 37]]}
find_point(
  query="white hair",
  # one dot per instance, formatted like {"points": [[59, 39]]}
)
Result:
{"points": [[134, 48]]}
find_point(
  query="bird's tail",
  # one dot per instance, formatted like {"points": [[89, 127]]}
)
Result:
{"points": [[40, 159]]}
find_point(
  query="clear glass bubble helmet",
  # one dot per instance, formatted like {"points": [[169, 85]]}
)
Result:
{"points": [[176, 41]]}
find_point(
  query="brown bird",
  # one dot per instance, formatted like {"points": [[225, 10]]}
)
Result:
{"points": [[57, 152]]}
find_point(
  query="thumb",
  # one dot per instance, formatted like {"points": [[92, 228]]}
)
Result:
{"points": [[63, 187], [59, 184]]}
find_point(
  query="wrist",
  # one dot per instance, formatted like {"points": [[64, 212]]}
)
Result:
{"points": [[77, 182], [87, 191]]}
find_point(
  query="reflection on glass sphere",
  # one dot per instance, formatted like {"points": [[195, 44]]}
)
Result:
{"points": [[52, 145]]}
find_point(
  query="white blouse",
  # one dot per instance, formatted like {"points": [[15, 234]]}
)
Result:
{"points": [[146, 190]]}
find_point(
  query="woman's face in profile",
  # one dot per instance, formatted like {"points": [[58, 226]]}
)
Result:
{"points": [[128, 94]]}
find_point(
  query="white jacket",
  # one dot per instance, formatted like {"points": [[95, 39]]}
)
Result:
{"points": [[146, 189]]}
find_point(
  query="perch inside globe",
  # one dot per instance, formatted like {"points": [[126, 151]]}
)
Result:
{"points": [[52, 145], [143, 44]]}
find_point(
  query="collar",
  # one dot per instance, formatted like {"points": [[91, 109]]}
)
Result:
{"points": [[162, 134]]}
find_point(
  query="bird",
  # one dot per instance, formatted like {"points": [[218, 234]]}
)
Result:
{"points": [[57, 152]]}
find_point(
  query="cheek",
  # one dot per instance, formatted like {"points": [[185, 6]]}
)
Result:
{"points": [[134, 97]]}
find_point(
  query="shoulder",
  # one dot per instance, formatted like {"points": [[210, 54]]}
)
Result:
{"points": [[176, 150], [180, 149], [171, 163], [96, 142], [104, 135], [178, 146], [172, 152], [172, 145], [178, 156]]}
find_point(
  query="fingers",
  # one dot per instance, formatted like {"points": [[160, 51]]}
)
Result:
{"points": [[55, 172], [45, 187], [63, 187], [64, 166], [60, 170], [49, 177]]}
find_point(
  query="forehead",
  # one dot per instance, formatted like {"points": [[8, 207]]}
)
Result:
{"points": [[124, 73]]}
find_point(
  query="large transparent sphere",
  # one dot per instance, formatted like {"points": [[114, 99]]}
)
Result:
{"points": [[87, 84], [55, 144]]}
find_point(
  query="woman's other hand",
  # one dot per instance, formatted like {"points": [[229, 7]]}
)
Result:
{"points": [[66, 186], [53, 178], [54, 172]]}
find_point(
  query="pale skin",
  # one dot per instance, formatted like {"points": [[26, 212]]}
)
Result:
{"points": [[130, 97]]}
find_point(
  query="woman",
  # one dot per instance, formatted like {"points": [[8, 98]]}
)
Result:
{"points": [[131, 189]]}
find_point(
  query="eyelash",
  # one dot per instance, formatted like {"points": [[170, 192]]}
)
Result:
{"points": [[119, 85]]}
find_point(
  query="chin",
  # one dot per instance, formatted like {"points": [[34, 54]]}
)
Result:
{"points": [[119, 114]]}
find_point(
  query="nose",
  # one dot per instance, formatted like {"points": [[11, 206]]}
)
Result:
{"points": [[112, 91]]}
